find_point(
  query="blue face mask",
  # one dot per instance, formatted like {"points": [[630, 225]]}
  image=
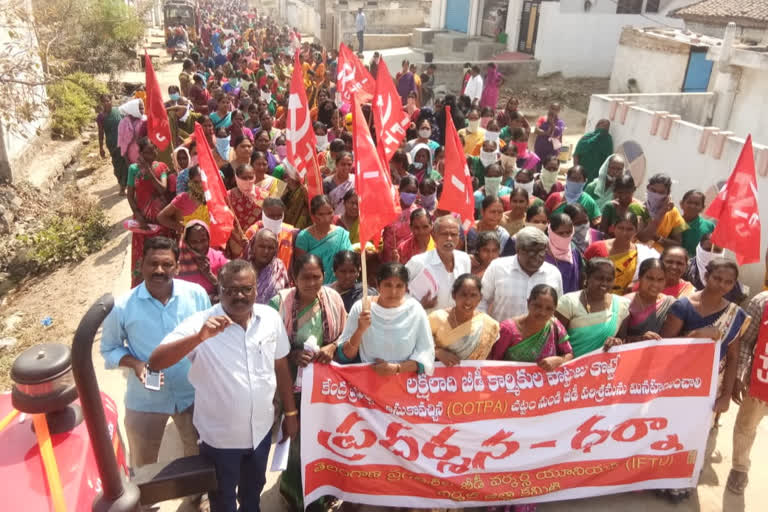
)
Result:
{"points": [[175, 97], [407, 198], [573, 190], [222, 146]]}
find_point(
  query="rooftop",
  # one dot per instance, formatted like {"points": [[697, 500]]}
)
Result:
{"points": [[748, 13]]}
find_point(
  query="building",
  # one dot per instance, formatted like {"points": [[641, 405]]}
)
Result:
{"points": [[710, 17]]}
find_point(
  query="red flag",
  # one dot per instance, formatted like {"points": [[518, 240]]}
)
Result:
{"points": [[372, 181], [158, 129], [457, 193], [737, 212], [390, 118], [300, 137], [221, 217], [352, 77]]}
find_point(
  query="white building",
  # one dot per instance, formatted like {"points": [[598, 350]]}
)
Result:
{"points": [[710, 17]]}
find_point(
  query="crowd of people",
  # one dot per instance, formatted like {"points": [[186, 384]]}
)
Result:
{"points": [[558, 263]]}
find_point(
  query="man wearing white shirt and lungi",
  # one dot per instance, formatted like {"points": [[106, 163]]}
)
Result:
{"points": [[238, 351]]}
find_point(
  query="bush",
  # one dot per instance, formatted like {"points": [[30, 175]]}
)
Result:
{"points": [[73, 101], [75, 231]]}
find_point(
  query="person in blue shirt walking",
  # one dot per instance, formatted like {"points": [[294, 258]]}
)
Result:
{"points": [[133, 329]]}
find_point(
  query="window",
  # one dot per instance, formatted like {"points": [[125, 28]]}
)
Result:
{"points": [[629, 6], [652, 6]]}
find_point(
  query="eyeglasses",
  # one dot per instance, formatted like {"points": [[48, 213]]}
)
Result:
{"points": [[533, 251], [237, 290]]}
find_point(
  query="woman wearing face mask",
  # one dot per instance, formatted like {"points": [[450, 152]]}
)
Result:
{"points": [[696, 270], [549, 133], [322, 238], [487, 249], [198, 261], [221, 146], [623, 201], [399, 230], [625, 254], [513, 219], [346, 266], [427, 195], [662, 223], [461, 332], [583, 234], [547, 182], [473, 134], [241, 155], [574, 193], [147, 188], [421, 166], [350, 219], [594, 317], [562, 254], [420, 239], [648, 306], [525, 159], [491, 135], [246, 198], [508, 162], [132, 127], [602, 189], [492, 187], [423, 134], [478, 165], [492, 211], [342, 180], [524, 181]]}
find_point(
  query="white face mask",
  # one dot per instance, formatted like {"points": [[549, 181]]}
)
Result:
{"points": [[488, 158], [492, 136], [245, 186], [268, 68], [473, 125], [273, 225], [492, 185], [322, 142], [425, 133], [528, 187], [266, 96]]}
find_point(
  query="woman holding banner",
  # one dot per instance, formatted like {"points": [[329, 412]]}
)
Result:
{"points": [[594, 317]]}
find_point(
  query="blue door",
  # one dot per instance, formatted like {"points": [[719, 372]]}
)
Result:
{"points": [[457, 15], [698, 72]]}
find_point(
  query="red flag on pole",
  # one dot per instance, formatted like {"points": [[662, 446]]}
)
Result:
{"points": [[352, 77], [372, 181], [158, 129], [390, 119], [457, 193], [737, 212], [300, 137], [221, 217]]}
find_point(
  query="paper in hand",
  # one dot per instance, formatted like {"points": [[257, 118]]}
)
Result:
{"points": [[423, 284], [280, 456]]}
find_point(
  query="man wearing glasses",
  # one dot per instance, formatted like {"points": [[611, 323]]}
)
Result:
{"points": [[238, 351], [508, 281]]}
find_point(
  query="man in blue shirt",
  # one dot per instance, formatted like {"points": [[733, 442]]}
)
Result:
{"points": [[135, 326]]}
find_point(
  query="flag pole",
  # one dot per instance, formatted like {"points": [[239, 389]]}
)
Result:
{"points": [[364, 269]]}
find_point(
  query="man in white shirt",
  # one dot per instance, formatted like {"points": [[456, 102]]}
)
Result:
{"points": [[474, 88], [360, 29], [438, 269], [508, 281], [238, 351]]}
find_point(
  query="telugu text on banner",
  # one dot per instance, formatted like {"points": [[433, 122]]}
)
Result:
{"points": [[485, 433]]}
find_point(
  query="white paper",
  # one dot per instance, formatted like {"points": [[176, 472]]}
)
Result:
{"points": [[422, 285], [280, 457]]}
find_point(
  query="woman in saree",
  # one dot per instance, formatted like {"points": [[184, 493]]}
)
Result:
{"points": [[561, 253], [147, 187], [263, 143], [340, 182], [198, 262], [648, 306], [487, 249], [594, 316], [593, 148], [583, 234], [708, 314], [548, 181], [222, 117], [663, 224], [492, 82], [493, 210], [295, 199], [421, 237], [623, 201], [269, 185], [346, 267], [537, 336], [601, 189], [187, 206], [461, 332], [675, 260], [241, 155], [549, 133], [322, 238], [421, 166], [513, 220], [350, 219], [400, 230], [132, 127], [696, 270], [574, 193], [625, 254], [312, 314]]}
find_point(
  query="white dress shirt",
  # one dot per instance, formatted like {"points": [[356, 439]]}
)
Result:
{"points": [[431, 262], [474, 88], [233, 374], [360, 22], [506, 287]]}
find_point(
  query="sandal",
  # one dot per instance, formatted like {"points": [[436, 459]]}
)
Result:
{"points": [[737, 482]]}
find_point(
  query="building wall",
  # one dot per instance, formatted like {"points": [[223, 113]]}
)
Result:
{"points": [[656, 64], [584, 44], [742, 33], [750, 106], [679, 157]]}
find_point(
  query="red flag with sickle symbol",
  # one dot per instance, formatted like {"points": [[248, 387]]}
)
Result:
{"points": [[390, 118], [457, 193], [352, 78], [158, 128]]}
